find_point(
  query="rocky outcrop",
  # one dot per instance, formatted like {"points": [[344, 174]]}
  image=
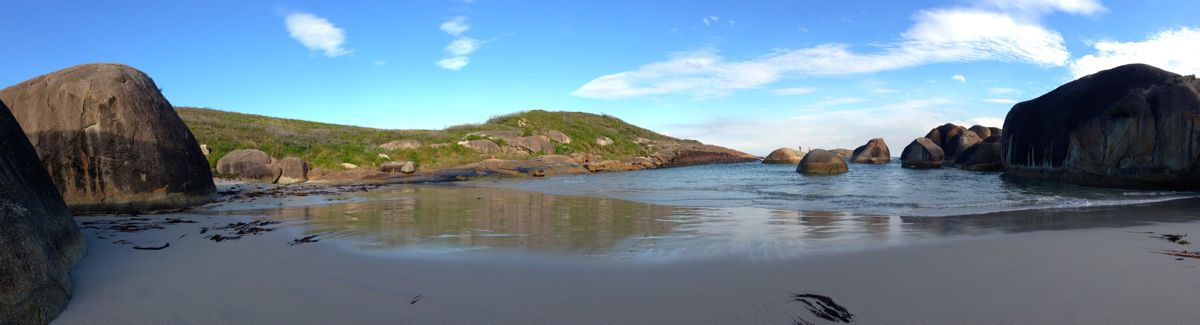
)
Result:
{"points": [[1133, 126], [531, 144], [481, 145], [784, 156], [401, 144], [984, 156], [822, 162], [348, 166], [842, 152], [874, 152], [960, 143], [558, 136], [249, 165], [922, 153], [981, 131], [690, 154], [292, 170], [944, 134], [604, 141], [110, 141], [399, 166], [39, 242]]}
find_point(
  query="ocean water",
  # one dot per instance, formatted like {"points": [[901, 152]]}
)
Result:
{"points": [[886, 190], [761, 211]]}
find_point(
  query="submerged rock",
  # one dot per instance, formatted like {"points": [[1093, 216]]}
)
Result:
{"points": [[874, 152], [922, 153], [110, 141], [1133, 126], [823, 162], [39, 242], [784, 156]]}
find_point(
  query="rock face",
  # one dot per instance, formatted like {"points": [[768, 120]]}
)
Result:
{"points": [[1133, 126], [842, 152], [292, 170], [558, 136], [532, 144], [401, 144], [481, 145], [984, 156], [110, 141], [399, 166], [922, 153], [39, 242], [822, 162], [960, 143], [942, 135], [248, 165], [981, 131], [874, 152], [699, 154], [784, 156]]}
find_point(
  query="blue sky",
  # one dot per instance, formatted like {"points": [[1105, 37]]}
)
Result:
{"points": [[752, 75]]}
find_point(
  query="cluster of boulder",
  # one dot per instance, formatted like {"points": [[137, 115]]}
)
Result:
{"points": [[255, 166], [833, 161], [975, 148], [489, 142], [95, 138]]}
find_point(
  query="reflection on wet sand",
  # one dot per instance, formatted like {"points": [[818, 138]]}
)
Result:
{"points": [[463, 217]]}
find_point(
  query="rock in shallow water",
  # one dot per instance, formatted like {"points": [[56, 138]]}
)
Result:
{"points": [[1133, 126], [110, 141], [822, 162], [784, 156], [922, 153], [874, 152], [39, 242]]}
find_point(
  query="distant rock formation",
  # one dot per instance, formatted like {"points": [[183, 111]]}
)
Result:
{"points": [[481, 145], [39, 242], [922, 153], [110, 141], [399, 166], [984, 156], [961, 143], [784, 156], [842, 152], [981, 131], [401, 144], [822, 162], [944, 134], [1133, 126], [559, 137], [874, 152]]}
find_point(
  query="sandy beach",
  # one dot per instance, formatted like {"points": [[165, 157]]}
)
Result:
{"points": [[1066, 267]]}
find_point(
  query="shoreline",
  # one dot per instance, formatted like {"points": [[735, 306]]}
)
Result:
{"points": [[1067, 273]]}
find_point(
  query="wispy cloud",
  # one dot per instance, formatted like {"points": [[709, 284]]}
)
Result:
{"points": [[1001, 100], [710, 19], [1002, 91], [839, 101], [937, 35], [316, 33], [959, 78], [460, 49], [1176, 50], [794, 91], [884, 91]]}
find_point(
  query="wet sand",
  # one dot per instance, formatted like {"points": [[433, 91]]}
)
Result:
{"points": [[1078, 266]]}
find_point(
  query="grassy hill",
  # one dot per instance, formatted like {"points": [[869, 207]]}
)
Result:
{"points": [[328, 145]]}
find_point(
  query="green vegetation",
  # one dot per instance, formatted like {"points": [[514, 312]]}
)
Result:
{"points": [[326, 145]]}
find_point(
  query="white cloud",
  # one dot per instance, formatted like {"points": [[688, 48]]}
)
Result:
{"points": [[839, 101], [708, 20], [1001, 100], [943, 35], [1002, 91], [794, 91], [454, 63], [960, 78], [1176, 50], [987, 121], [456, 26], [884, 91], [316, 33], [898, 124], [461, 47], [1084, 7]]}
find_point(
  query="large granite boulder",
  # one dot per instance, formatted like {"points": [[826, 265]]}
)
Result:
{"points": [[604, 141], [943, 134], [399, 166], [39, 242], [481, 145], [822, 162], [960, 143], [784, 156], [292, 170], [982, 131], [401, 144], [110, 141], [984, 156], [249, 165], [531, 144], [922, 153], [874, 152], [842, 152], [1133, 126]]}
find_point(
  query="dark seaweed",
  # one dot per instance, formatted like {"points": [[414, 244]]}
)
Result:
{"points": [[823, 307]]}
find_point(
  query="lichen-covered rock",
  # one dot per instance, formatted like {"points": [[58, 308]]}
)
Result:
{"points": [[922, 153], [604, 141], [874, 152], [822, 162], [401, 144], [39, 242], [557, 136], [110, 141], [1133, 126], [787, 156], [249, 165], [292, 170], [531, 144], [481, 145], [399, 166]]}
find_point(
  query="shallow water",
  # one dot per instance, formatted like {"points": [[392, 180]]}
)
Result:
{"points": [[467, 219]]}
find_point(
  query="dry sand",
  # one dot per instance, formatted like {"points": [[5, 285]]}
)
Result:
{"points": [[1107, 274]]}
